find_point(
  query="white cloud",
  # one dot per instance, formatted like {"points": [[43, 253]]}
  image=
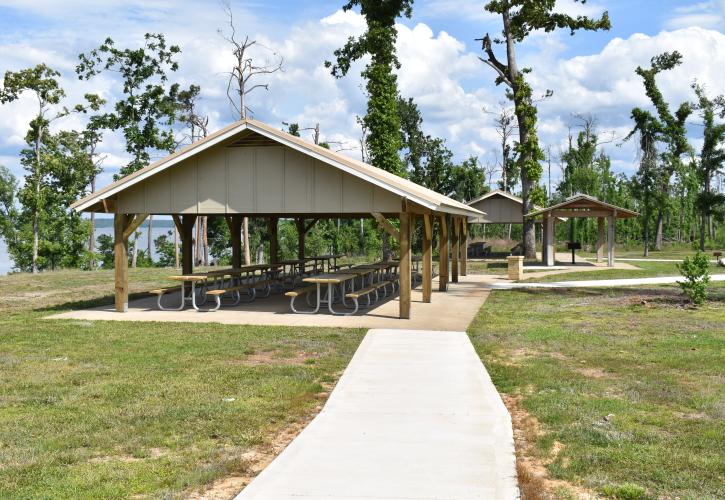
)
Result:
{"points": [[710, 14], [449, 83]]}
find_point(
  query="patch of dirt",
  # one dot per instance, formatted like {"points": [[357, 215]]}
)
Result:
{"points": [[593, 372], [275, 357], [153, 453], [695, 415], [534, 480]]}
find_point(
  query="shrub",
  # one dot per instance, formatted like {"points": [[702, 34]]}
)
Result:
{"points": [[696, 271]]}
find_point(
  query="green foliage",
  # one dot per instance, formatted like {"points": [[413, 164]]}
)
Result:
{"points": [[696, 271], [381, 123], [148, 109], [104, 249], [626, 491], [165, 250]]}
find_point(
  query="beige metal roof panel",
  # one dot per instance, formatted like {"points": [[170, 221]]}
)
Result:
{"points": [[385, 180], [585, 202]]}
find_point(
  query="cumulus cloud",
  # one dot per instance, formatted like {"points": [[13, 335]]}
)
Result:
{"points": [[451, 86]]}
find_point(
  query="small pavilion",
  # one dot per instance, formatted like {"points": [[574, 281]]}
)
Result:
{"points": [[580, 206], [499, 207], [252, 169]]}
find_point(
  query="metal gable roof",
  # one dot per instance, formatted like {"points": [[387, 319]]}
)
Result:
{"points": [[385, 180]]}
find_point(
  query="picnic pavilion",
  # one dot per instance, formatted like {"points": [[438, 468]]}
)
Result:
{"points": [[252, 169], [581, 205]]}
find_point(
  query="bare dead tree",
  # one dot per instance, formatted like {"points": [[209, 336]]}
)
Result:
{"points": [[242, 82], [242, 77], [505, 125]]}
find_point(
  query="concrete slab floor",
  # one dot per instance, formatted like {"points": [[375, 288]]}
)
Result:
{"points": [[452, 310], [414, 416]]}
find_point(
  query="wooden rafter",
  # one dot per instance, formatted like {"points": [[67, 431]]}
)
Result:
{"points": [[134, 224]]}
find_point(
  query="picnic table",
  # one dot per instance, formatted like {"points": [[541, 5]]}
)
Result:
{"points": [[332, 280], [186, 278]]}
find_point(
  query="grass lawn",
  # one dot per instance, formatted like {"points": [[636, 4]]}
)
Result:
{"points": [[616, 391], [117, 409], [645, 270]]}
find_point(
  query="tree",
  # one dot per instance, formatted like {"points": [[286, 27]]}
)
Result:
{"points": [[146, 112], [8, 208], [242, 82], [673, 130], [521, 18], [42, 82], [646, 180], [382, 122], [712, 158]]}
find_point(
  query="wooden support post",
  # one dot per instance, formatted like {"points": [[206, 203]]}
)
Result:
{"points": [[235, 229], [443, 254], [120, 261], [550, 241], [612, 220], [464, 246], [427, 258], [272, 223], [187, 244], [405, 266], [455, 251], [600, 238]]}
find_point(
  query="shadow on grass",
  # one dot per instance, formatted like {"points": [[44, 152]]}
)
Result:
{"points": [[105, 300]]}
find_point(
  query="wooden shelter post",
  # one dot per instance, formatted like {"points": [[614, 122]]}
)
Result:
{"points": [[187, 243], [464, 246], [550, 240], [427, 258], [600, 238], [443, 254], [272, 225], [405, 266], [120, 261], [235, 229], [455, 252], [612, 220]]}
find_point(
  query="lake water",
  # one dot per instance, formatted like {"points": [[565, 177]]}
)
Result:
{"points": [[6, 265]]}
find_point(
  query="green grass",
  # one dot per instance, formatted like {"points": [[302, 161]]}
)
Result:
{"points": [[644, 270], [630, 382], [117, 409]]}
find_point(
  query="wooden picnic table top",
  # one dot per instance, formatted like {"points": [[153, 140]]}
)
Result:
{"points": [[360, 271], [330, 278], [188, 277], [290, 262]]}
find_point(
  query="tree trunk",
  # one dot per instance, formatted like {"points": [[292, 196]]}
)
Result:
{"points": [[245, 241], [92, 238], [529, 236], [36, 208], [658, 236], [205, 239], [149, 242], [197, 243], [176, 247], [134, 258], [645, 232]]}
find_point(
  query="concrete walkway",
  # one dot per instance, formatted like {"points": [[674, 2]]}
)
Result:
{"points": [[599, 283], [414, 416]]}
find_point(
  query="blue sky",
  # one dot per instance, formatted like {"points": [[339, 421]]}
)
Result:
{"points": [[590, 73]]}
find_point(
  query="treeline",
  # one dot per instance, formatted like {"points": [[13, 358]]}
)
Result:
{"points": [[678, 190]]}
